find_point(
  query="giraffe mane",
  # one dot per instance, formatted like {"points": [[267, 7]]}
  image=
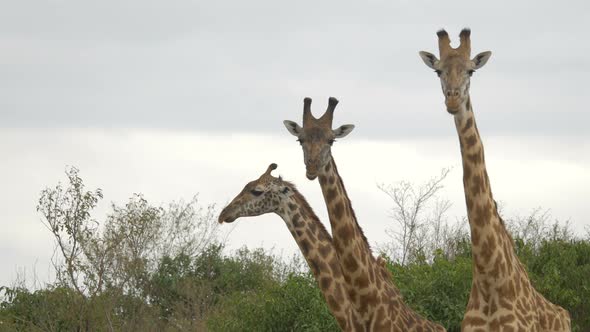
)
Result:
{"points": [[353, 216], [307, 208], [504, 226]]}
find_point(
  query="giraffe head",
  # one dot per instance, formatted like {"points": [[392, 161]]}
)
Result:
{"points": [[317, 136], [263, 195], [455, 68]]}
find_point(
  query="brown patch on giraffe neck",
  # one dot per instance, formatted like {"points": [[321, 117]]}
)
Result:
{"points": [[339, 210], [335, 191], [468, 125]]}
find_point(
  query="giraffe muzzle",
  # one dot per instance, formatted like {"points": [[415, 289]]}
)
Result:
{"points": [[311, 169], [453, 104], [224, 217]]}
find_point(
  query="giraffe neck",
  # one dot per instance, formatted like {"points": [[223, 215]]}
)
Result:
{"points": [[351, 245], [316, 245], [492, 247], [370, 285], [500, 282]]}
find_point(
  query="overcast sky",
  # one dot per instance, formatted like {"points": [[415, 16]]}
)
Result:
{"points": [[176, 98]]}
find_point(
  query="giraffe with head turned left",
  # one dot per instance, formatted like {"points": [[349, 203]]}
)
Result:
{"points": [[368, 282], [269, 194], [502, 297]]}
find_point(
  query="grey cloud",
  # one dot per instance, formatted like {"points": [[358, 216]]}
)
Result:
{"points": [[246, 66]]}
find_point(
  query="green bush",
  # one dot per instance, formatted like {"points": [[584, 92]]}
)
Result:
{"points": [[294, 305], [54, 309], [439, 291], [154, 269], [560, 270]]}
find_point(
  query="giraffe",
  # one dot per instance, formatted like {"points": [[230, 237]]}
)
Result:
{"points": [[369, 284], [269, 194], [502, 297]]}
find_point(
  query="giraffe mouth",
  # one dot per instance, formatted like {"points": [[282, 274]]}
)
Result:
{"points": [[226, 219], [311, 176], [453, 104]]}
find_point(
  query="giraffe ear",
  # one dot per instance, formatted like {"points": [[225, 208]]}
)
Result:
{"points": [[293, 128], [429, 59], [343, 130], [481, 59]]}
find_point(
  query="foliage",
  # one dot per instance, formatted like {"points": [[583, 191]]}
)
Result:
{"points": [[67, 216], [293, 305], [163, 269], [419, 219], [439, 291], [560, 270], [255, 291]]}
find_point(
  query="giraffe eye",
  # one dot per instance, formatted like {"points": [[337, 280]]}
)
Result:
{"points": [[300, 141], [256, 192], [438, 72]]}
